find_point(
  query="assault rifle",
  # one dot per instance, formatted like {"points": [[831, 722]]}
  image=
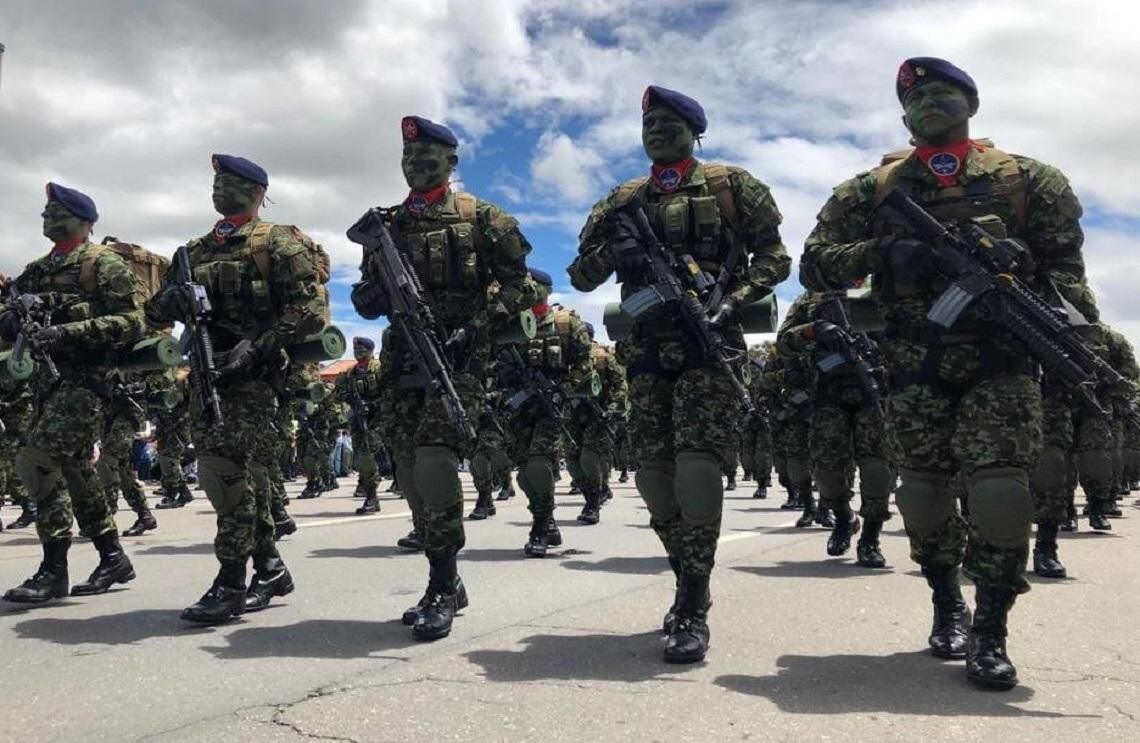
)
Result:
{"points": [[34, 314], [360, 412], [677, 281], [983, 269], [537, 386], [410, 313], [850, 348], [198, 346]]}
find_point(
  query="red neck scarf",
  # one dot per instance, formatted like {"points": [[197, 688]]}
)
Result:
{"points": [[67, 246], [419, 201], [540, 310], [947, 160], [227, 226], [363, 363], [670, 177]]}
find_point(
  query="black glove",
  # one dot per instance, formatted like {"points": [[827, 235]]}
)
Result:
{"points": [[828, 335], [370, 300], [724, 313], [176, 302], [239, 358], [47, 337], [9, 326], [908, 259]]}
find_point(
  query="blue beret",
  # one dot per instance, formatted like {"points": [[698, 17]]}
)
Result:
{"points": [[239, 166], [76, 202], [418, 129], [541, 276], [366, 342], [918, 70], [687, 107], [590, 329]]}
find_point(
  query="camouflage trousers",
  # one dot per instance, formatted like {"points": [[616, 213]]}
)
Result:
{"points": [[365, 444], [172, 434], [1051, 480], [490, 463], [60, 445], [114, 466], [680, 426], [10, 483], [316, 457], [756, 449], [591, 458], [536, 437], [233, 467], [791, 446], [990, 434], [281, 445], [1095, 444], [847, 434]]}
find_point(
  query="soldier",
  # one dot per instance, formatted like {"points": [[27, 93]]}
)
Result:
{"points": [[16, 412], [471, 259], [95, 313], [317, 434], [592, 425], [756, 431], [172, 432], [966, 399], [359, 389], [490, 461], [683, 407], [265, 283], [124, 416]]}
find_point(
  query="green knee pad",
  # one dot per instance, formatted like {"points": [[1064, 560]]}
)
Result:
{"points": [[876, 478], [832, 486], [1001, 506], [38, 470], [654, 482], [594, 467], [436, 474], [537, 480], [1095, 466], [481, 467], [698, 487], [1052, 471], [574, 467], [405, 462], [799, 471], [925, 501], [224, 481]]}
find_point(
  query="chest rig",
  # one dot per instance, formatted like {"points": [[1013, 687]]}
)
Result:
{"points": [[235, 274], [366, 382], [444, 245], [549, 350], [60, 279]]}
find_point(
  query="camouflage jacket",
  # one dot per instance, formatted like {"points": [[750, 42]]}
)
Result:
{"points": [[614, 397], [363, 382], [560, 349]]}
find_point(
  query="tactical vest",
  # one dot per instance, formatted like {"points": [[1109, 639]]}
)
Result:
{"points": [[63, 281], [444, 247], [550, 350], [691, 224], [366, 383]]}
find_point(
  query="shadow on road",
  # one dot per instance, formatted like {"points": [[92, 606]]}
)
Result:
{"points": [[499, 554], [368, 550], [201, 548], [20, 542], [901, 683], [125, 628], [337, 639], [629, 658], [628, 565], [822, 568]]}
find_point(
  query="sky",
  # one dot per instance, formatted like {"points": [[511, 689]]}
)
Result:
{"points": [[126, 100]]}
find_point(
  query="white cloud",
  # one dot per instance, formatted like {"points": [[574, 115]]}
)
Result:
{"points": [[566, 169]]}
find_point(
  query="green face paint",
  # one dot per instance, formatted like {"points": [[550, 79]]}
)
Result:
{"points": [[666, 137], [60, 225], [426, 165], [360, 352], [232, 194], [935, 110]]}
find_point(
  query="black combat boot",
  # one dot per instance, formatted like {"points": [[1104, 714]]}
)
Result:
{"points": [[444, 598], [1098, 520], [225, 599], [360, 491], [824, 517], [1070, 522], [50, 580], [114, 567], [506, 492], [484, 506], [1045, 562], [746, 475], [761, 491], [808, 517], [544, 534], [371, 504], [412, 613], [987, 664], [731, 483], [592, 511], [951, 615], [270, 578], [413, 541], [867, 551], [689, 640], [330, 485], [793, 503], [670, 619], [623, 476], [846, 526], [607, 494], [283, 523], [1112, 508], [26, 518], [313, 489], [144, 522], [575, 489]]}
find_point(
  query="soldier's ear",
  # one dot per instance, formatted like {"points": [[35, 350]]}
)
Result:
{"points": [[453, 160], [974, 102]]}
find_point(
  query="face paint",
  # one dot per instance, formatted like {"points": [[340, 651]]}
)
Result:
{"points": [[232, 194], [60, 224], [666, 137], [360, 352], [426, 165], [935, 110]]}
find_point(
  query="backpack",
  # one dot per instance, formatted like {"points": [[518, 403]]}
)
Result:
{"points": [[148, 267]]}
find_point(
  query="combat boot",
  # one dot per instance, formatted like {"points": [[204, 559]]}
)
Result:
{"points": [[623, 476], [951, 615], [413, 541], [592, 511], [50, 581], [114, 567], [670, 619], [26, 518], [283, 523], [761, 491], [225, 599], [575, 489], [1097, 518], [846, 526], [1070, 522], [746, 475], [544, 534], [371, 504], [330, 485], [395, 488], [270, 578], [312, 489], [807, 518], [987, 664], [867, 551], [176, 500], [144, 522], [445, 596], [1045, 562], [360, 491], [484, 507], [1112, 508], [689, 639], [793, 502], [607, 494], [731, 483], [824, 517]]}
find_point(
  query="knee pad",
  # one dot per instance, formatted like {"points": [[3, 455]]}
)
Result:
{"points": [[832, 485], [539, 478], [1001, 506], [876, 478], [654, 482], [799, 471], [594, 467], [436, 474], [224, 481], [698, 488], [925, 501]]}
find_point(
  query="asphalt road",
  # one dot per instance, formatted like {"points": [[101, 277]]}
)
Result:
{"points": [[804, 647]]}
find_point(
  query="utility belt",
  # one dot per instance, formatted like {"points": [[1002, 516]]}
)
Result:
{"points": [[992, 363]]}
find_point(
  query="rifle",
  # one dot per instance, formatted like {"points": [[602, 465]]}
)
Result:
{"points": [[603, 417], [536, 385], [679, 282], [34, 314], [360, 412], [847, 347], [983, 269], [410, 313], [198, 346]]}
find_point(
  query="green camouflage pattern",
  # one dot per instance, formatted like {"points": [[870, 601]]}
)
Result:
{"points": [[365, 439], [16, 411], [172, 434], [316, 436], [122, 421]]}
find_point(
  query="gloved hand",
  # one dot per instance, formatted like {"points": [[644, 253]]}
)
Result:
{"points": [[47, 337], [724, 313], [239, 358], [370, 300], [9, 326], [176, 301], [828, 335], [908, 258]]}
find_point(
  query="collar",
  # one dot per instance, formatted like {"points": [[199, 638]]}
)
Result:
{"points": [[227, 226], [946, 162], [363, 363], [64, 248], [672, 176], [418, 202]]}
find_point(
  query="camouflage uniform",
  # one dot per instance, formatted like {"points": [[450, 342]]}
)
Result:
{"points": [[122, 420], [756, 433], [593, 456], [16, 411], [172, 434], [792, 376], [316, 435], [490, 458], [365, 382]]}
